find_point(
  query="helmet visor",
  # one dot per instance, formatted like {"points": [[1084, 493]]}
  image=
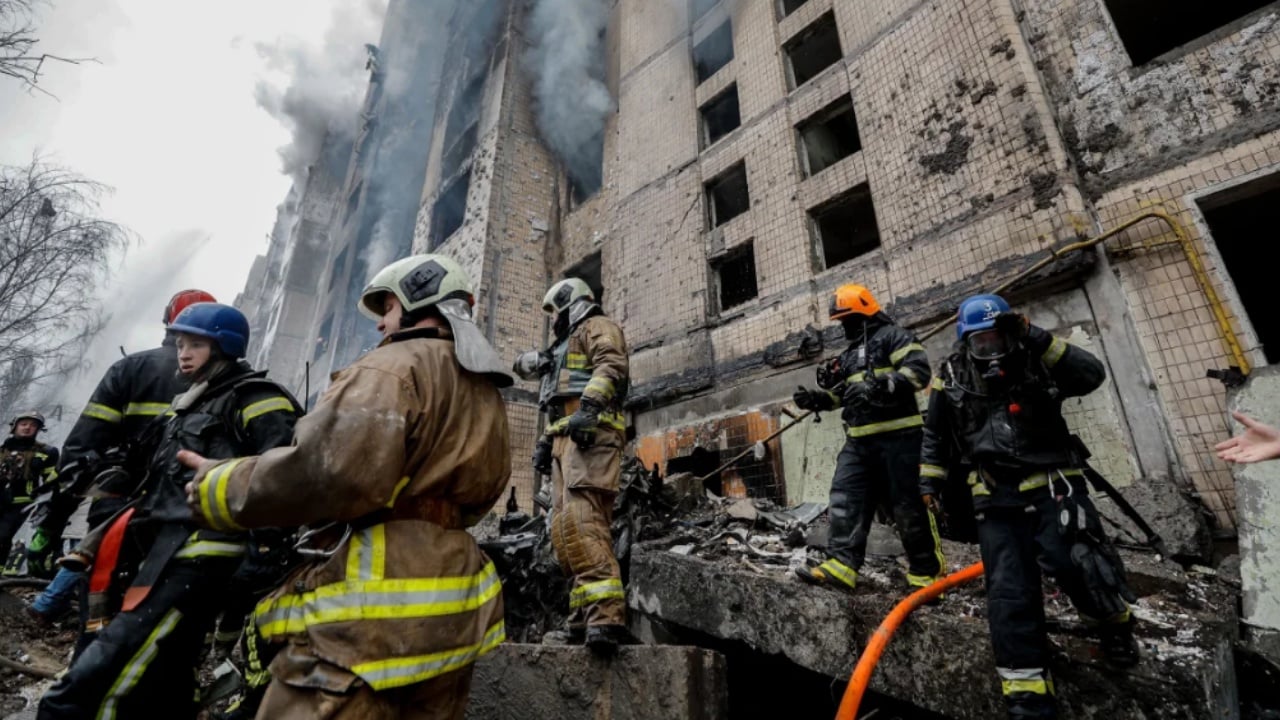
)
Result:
{"points": [[988, 344]]}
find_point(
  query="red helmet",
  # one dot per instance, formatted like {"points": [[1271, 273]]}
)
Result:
{"points": [[181, 300]]}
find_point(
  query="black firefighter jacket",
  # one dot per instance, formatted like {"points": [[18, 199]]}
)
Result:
{"points": [[901, 368]]}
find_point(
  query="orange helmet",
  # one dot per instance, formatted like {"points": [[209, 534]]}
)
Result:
{"points": [[853, 300]]}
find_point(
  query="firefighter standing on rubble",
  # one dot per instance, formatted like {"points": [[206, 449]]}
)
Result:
{"points": [[996, 407], [406, 448], [133, 392], [25, 465], [875, 380], [585, 376], [142, 663]]}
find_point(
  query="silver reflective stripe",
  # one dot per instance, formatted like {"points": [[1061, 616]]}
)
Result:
{"points": [[1021, 673], [132, 672]]}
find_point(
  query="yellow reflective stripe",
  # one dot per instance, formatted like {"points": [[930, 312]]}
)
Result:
{"points": [[614, 420], [395, 492], [387, 599], [595, 592], [932, 471], [911, 376], [262, 407], [886, 426], [401, 671], [211, 548], [937, 545], [558, 427], [367, 554], [575, 361], [1117, 619], [137, 665], [896, 356], [858, 376], [921, 580], [148, 409], [1056, 350], [1031, 482], [601, 386], [212, 492], [1036, 687], [937, 384], [102, 412], [840, 571]]}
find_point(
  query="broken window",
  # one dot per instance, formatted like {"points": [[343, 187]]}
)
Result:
{"points": [[588, 271], [813, 50], [786, 7], [1238, 219], [449, 210], [728, 195], [736, 276], [353, 201], [720, 116], [829, 136], [338, 265], [713, 52], [1151, 28], [587, 177], [463, 126], [846, 226], [701, 7]]}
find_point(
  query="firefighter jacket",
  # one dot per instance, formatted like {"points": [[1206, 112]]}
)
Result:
{"points": [[25, 464], [404, 450], [1011, 426], [135, 390], [236, 412], [590, 363], [896, 358]]}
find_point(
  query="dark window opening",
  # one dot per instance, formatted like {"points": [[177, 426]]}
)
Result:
{"points": [[458, 153], [336, 271], [449, 210], [586, 176], [736, 277], [701, 462], [713, 52], [701, 7], [728, 195], [846, 227], [814, 50], [786, 7], [353, 201], [1235, 218], [829, 136], [720, 116], [1151, 28], [588, 271]]}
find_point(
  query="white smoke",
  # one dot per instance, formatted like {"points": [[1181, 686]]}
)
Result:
{"points": [[566, 62], [317, 89]]}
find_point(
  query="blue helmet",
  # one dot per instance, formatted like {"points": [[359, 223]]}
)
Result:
{"points": [[222, 324], [979, 313]]}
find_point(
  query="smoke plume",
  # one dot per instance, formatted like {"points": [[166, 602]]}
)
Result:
{"points": [[317, 89], [572, 101]]}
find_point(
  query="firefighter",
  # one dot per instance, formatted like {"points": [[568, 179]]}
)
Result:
{"points": [[25, 465], [996, 408], [584, 381], [407, 448], [875, 382], [142, 663], [134, 391]]}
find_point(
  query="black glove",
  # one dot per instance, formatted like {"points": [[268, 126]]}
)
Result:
{"points": [[816, 400], [857, 394], [542, 457], [1013, 325], [582, 424]]}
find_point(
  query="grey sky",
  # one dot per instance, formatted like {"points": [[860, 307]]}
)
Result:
{"points": [[169, 119]]}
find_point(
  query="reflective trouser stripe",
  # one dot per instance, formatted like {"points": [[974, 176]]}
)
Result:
{"points": [[1031, 482], [840, 571], [137, 665], [909, 421], [1025, 680], [595, 592], [401, 671], [367, 554], [102, 412]]}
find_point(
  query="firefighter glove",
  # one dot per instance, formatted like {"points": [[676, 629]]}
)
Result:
{"points": [[582, 424], [542, 457], [812, 399], [1013, 325], [858, 394]]}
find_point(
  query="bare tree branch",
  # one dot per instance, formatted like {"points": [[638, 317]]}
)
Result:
{"points": [[55, 250], [19, 58]]}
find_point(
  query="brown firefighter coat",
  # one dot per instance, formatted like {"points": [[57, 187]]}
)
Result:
{"points": [[407, 447]]}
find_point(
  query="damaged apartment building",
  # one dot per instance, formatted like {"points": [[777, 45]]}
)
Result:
{"points": [[1112, 166]]}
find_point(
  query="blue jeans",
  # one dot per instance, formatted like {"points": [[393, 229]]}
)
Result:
{"points": [[56, 599]]}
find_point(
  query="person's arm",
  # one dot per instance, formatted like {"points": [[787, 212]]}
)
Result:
{"points": [[1258, 442], [1076, 371], [938, 444], [910, 372], [99, 426]]}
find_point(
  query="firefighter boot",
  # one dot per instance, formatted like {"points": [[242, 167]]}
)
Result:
{"points": [[13, 563], [1118, 646], [832, 573], [604, 640], [573, 635]]}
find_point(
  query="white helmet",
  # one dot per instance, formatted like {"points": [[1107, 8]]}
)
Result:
{"points": [[566, 293]]}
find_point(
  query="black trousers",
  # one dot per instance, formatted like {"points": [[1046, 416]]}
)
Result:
{"points": [[875, 469], [1017, 544], [11, 519], [143, 663]]}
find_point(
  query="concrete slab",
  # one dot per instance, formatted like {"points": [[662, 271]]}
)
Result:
{"points": [[941, 658], [1258, 505], [660, 682]]}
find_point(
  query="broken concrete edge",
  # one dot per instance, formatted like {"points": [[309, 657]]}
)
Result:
{"points": [[941, 659]]}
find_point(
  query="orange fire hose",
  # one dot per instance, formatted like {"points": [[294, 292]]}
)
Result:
{"points": [[861, 677]]}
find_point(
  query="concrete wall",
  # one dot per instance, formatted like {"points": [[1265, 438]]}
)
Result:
{"points": [[1258, 502]]}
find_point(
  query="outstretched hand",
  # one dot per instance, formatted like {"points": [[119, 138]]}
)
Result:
{"points": [[202, 466], [1258, 442]]}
